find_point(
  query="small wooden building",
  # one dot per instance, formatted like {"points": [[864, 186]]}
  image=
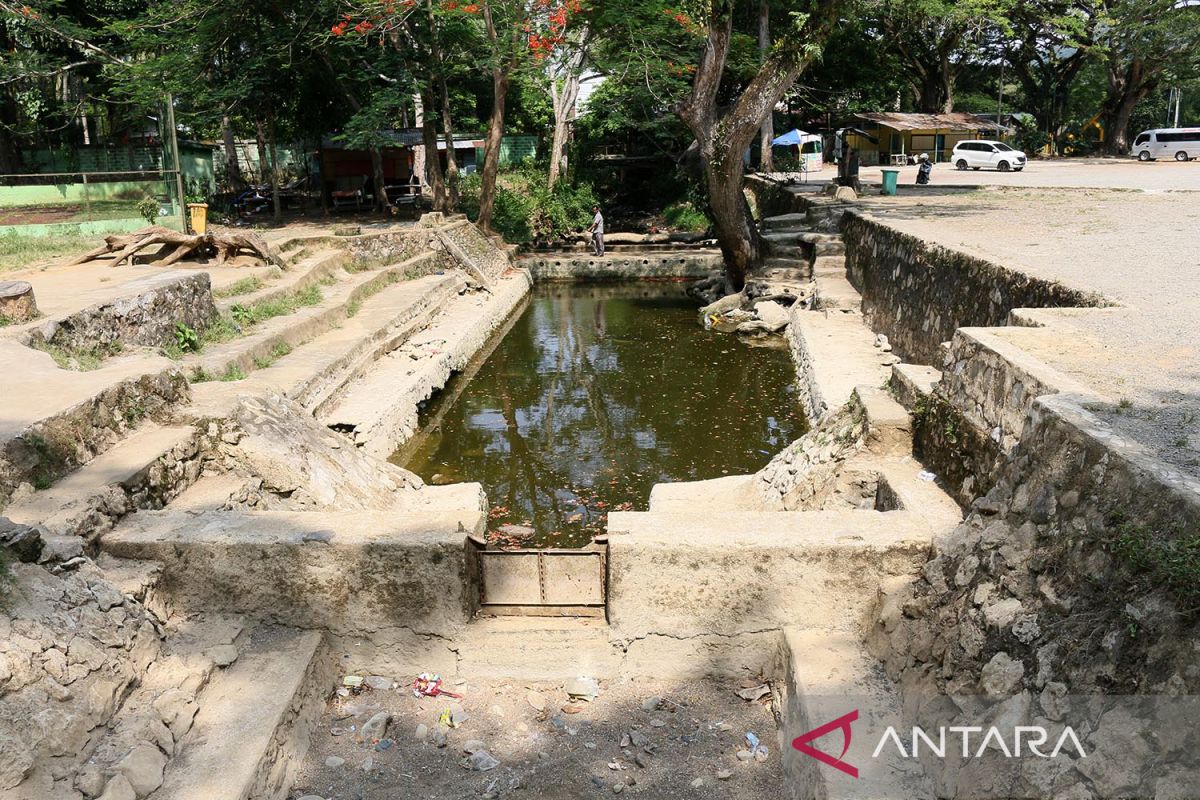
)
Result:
{"points": [[900, 135]]}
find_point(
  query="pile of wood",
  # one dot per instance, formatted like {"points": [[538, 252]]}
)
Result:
{"points": [[174, 245]]}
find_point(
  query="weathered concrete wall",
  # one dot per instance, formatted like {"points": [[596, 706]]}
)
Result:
{"points": [[146, 318], [350, 573], [694, 574], [1069, 577], [919, 293], [622, 266]]}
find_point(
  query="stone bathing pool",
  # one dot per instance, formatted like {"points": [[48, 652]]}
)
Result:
{"points": [[595, 393]]}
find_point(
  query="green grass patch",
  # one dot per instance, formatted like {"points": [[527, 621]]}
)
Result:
{"points": [[244, 286], [75, 359], [248, 316], [51, 457], [233, 373], [18, 251], [277, 352], [1168, 560]]}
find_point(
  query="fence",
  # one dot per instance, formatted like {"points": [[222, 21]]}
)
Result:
{"points": [[50, 203]]}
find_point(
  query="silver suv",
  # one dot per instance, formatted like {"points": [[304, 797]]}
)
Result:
{"points": [[981, 153]]}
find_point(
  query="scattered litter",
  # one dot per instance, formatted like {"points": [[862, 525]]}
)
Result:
{"points": [[452, 718], [572, 708], [383, 744], [617, 765], [481, 761], [472, 745], [378, 682], [422, 732], [758, 750], [584, 689], [353, 681], [651, 703], [754, 692], [926, 476], [657, 723], [336, 731], [724, 774], [430, 685]]}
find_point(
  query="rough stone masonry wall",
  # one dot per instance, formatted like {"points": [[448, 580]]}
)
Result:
{"points": [[1071, 576], [919, 293], [147, 318]]}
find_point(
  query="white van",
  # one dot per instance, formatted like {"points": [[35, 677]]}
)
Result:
{"points": [[1181, 144]]}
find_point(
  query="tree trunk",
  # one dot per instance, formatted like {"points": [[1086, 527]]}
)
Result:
{"points": [[1127, 86], [724, 139], [495, 134], [260, 138], [275, 176], [10, 154], [234, 169], [451, 157], [451, 200], [433, 164], [379, 179], [766, 157], [564, 94]]}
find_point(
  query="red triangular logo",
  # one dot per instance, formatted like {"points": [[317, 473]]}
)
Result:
{"points": [[801, 743]]}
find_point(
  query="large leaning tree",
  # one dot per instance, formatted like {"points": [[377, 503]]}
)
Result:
{"points": [[725, 125]]}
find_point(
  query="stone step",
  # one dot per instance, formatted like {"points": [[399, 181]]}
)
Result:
{"points": [[784, 222], [536, 648], [145, 470], [309, 272], [263, 342], [829, 265], [840, 354], [53, 420], [834, 291], [316, 372], [209, 493], [822, 675], [252, 730], [785, 249], [912, 382], [379, 411]]}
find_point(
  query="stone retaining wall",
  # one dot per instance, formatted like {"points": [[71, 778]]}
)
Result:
{"points": [[1069, 577], [919, 293], [622, 266], [147, 318]]}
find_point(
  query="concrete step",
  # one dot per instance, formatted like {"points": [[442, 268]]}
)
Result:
{"points": [[784, 248], [841, 356], [252, 730], [317, 371], [379, 410], [145, 470], [261, 343], [53, 420], [912, 382], [784, 222], [824, 675], [834, 291], [536, 648], [209, 493], [308, 272], [829, 265]]}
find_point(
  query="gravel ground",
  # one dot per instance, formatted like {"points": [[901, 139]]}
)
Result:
{"points": [[1140, 250], [685, 748]]}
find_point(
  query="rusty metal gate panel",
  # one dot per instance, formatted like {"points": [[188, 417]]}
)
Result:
{"points": [[549, 582]]}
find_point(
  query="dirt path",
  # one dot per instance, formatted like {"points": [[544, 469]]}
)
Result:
{"points": [[686, 747]]}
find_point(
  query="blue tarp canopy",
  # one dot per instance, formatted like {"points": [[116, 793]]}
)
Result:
{"points": [[792, 138]]}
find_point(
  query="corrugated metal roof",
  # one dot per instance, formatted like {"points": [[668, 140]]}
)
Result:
{"points": [[956, 121]]}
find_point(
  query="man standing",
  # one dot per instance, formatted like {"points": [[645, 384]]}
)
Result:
{"points": [[596, 229]]}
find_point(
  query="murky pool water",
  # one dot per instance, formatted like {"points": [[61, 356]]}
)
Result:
{"points": [[595, 394]]}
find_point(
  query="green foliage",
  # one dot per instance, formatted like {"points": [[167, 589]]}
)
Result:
{"points": [[684, 216], [79, 360], [51, 456], [147, 207], [526, 211], [186, 338], [1168, 559]]}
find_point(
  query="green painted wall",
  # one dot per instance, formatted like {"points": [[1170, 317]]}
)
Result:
{"points": [[96, 228], [513, 150], [73, 193]]}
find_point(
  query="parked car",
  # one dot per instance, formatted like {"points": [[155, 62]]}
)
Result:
{"points": [[1181, 144], [981, 153]]}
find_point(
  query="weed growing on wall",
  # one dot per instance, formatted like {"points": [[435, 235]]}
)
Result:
{"points": [[1168, 559]]}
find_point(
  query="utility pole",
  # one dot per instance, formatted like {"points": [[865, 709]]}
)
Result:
{"points": [[1178, 103], [179, 195], [1000, 99]]}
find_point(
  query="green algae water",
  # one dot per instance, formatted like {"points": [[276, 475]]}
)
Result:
{"points": [[595, 394]]}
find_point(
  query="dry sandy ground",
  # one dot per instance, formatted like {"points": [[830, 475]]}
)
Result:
{"points": [[675, 751], [1095, 173]]}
